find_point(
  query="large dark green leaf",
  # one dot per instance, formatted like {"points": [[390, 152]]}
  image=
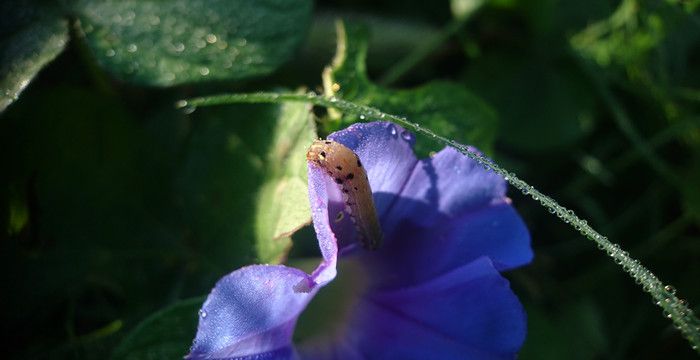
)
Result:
{"points": [[442, 106], [87, 198], [242, 184], [217, 182], [164, 335], [164, 43], [30, 40], [543, 102]]}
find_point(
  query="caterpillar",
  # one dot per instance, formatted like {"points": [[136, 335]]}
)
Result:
{"points": [[346, 169]]}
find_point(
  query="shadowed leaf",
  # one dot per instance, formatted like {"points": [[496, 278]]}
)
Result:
{"points": [[30, 40], [166, 43]]}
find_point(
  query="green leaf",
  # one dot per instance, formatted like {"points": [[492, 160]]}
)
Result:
{"points": [[442, 106], [217, 182], [577, 332], [29, 42], [283, 204], [242, 183], [166, 43], [85, 190], [163, 335], [464, 8], [543, 102], [630, 33]]}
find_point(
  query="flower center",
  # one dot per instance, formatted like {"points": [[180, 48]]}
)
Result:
{"points": [[328, 312]]}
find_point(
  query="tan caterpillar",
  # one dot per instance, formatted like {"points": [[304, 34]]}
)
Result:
{"points": [[344, 166]]}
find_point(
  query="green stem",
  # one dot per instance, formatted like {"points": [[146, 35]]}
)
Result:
{"points": [[398, 70], [665, 295], [630, 156], [626, 126]]}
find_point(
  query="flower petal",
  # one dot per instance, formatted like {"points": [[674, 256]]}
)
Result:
{"points": [[251, 312], [418, 254], [325, 198], [496, 231], [470, 312], [386, 152], [447, 184]]}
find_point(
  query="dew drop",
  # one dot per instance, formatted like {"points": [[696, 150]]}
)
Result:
{"points": [[392, 130], [202, 313], [204, 71], [211, 38], [362, 117], [132, 48], [407, 136], [180, 104], [670, 289], [179, 47]]}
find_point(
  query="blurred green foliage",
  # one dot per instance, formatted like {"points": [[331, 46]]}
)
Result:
{"points": [[443, 105], [120, 211], [166, 43]]}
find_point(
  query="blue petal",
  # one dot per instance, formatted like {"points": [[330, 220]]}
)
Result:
{"points": [[449, 210], [441, 192], [496, 231], [417, 254], [251, 312], [325, 198], [469, 313], [447, 184]]}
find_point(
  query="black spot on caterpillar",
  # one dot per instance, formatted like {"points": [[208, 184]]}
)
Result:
{"points": [[334, 157]]}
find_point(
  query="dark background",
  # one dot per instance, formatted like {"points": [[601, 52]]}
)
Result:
{"points": [[115, 205]]}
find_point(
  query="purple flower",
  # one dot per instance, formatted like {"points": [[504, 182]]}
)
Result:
{"points": [[431, 291]]}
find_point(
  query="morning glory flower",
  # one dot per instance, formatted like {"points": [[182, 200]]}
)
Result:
{"points": [[431, 290]]}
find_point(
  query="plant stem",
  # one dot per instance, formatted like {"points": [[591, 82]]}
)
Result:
{"points": [[398, 70], [626, 126]]}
